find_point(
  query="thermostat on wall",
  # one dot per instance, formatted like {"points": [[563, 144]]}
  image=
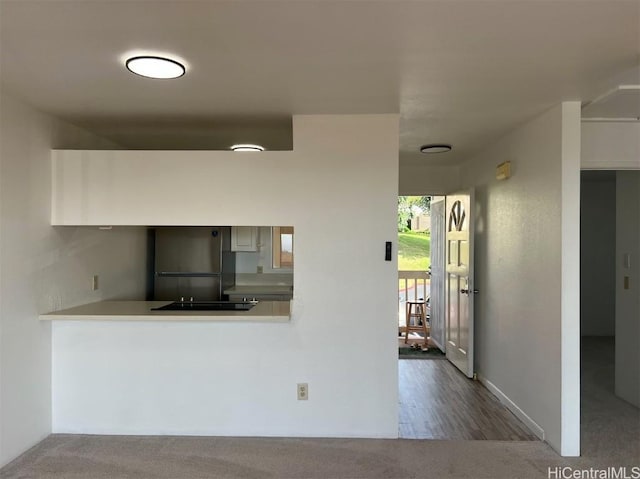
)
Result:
{"points": [[503, 171]]}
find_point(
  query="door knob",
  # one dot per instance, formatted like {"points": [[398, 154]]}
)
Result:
{"points": [[466, 291]]}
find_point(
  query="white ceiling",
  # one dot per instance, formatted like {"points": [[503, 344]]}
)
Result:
{"points": [[458, 71]]}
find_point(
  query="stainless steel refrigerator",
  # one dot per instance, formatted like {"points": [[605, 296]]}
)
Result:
{"points": [[192, 262]]}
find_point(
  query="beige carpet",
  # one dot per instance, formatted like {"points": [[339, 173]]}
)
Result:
{"points": [[610, 437], [610, 427], [93, 457]]}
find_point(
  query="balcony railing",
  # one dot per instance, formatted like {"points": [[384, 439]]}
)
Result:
{"points": [[412, 286]]}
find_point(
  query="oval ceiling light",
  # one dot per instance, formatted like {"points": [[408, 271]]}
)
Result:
{"points": [[435, 148], [247, 147], [155, 67]]}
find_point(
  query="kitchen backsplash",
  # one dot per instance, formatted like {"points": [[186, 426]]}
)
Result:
{"points": [[249, 279]]}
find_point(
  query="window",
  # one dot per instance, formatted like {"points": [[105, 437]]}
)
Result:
{"points": [[282, 243]]}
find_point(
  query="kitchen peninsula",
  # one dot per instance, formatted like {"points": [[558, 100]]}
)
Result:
{"points": [[133, 374], [263, 311]]}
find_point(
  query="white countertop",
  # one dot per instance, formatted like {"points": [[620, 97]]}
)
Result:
{"points": [[250, 289], [263, 311]]}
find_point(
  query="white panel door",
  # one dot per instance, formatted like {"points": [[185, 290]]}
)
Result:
{"points": [[437, 301], [459, 289]]}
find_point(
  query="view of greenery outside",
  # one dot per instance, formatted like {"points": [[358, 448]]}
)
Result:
{"points": [[409, 206], [414, 247], [414, 251]]}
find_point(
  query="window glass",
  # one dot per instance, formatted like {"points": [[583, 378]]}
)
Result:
{"points": [[282, 242]]}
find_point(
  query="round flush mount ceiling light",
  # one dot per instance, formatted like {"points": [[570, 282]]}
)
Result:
{"points": [[435, 148], [247, 147], [155, 67]]}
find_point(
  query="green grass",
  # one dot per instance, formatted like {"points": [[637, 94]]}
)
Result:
{"points": [[414, 251]]}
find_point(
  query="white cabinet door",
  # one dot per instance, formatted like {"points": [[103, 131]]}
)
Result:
{"points": [[244, 238]]}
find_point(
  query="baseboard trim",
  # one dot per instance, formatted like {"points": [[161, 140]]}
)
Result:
{"points": [[513, 407], [440, 347]]}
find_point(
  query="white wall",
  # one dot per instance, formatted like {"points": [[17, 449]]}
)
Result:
{"points": [[627, 384], [44, 268], [526, 342], [597, 253], [338, 189], [423, 179], [610, 145]]}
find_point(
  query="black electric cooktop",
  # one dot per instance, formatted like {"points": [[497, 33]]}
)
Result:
{"points": [[206, 306]]}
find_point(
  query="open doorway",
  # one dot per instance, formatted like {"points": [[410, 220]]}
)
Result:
{"points": [[437, 400], [414, 276], [610, 334], [421, 276]]}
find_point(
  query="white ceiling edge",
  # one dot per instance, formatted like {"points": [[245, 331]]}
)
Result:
{"points": [[610, 120], [613, 91], [618, 104]]}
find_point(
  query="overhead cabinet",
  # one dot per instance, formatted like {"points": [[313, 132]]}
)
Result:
{"points": [[161, 188], [244, 238]]}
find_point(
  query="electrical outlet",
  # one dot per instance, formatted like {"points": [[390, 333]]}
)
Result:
{"points": [[260, 269], [94, 283], [303, 391]]}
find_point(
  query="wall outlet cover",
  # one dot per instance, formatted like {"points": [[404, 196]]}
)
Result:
{"points": [[303, 391]]}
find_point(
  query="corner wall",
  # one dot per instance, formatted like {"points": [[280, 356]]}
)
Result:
{"points": [[627, 385], [527, 313], [44, 268]]}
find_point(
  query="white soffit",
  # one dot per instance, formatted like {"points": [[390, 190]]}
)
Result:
{"points": [[623, 102]]}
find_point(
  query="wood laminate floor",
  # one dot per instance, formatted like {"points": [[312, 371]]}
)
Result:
{"points": [[439, 402]]}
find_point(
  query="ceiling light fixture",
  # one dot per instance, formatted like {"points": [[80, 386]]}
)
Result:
{"points": [[155, 67], [435, 148], [247, 147]]}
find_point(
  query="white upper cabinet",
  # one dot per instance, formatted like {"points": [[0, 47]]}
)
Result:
{"points": [[159, 188], [244, 238]]}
